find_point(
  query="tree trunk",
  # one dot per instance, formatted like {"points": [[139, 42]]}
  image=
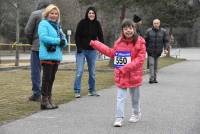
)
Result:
{"points": [[17, 36], [122, 16], [123, 13], [171, 41]]}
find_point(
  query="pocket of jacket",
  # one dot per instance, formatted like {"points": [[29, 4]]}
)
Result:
{"points": [[132, 77]]}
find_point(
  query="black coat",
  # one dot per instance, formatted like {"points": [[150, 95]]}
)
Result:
{"points": [[156, 40], [86, 31]]}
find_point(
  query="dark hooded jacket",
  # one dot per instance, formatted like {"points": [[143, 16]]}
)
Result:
{"points": [[32, 24], [88, 30]]}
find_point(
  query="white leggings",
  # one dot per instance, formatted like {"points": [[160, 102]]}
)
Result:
{"points": [[121, 97]]}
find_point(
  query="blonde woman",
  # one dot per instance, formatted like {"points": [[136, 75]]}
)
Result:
{"points": [[52, 40]]}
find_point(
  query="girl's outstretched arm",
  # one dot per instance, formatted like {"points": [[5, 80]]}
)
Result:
{"points": [[102, 48]]}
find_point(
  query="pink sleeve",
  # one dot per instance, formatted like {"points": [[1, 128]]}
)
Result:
{"points": [[102, 48]]}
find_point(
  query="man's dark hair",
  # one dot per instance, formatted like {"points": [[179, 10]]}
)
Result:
{"points": [[42, 4], [136, 18]]}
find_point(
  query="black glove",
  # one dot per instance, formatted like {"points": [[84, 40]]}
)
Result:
{"points": [[51, 48], [79, 50], [62, 42]]}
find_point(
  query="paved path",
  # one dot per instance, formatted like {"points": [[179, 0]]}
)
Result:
{"points": [[187, 53], [170, 107]]}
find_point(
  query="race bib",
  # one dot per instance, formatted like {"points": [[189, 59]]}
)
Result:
{"points": [[122, 58]]}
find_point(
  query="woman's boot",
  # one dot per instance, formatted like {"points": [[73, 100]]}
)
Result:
{"points": [[51, 102], [45, 105]]}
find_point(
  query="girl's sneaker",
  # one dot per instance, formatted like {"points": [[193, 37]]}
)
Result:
{"points": [[118, 122], [135, 118]]}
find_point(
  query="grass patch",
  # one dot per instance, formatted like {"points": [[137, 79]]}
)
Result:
{"points": [[166, 61], [16, 88]]}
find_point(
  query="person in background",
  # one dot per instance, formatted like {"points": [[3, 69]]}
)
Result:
{"points": [[88, 29], [156, 40], [129, 54], [138, 23], [52, 41], [31, 30], [140, 31]]}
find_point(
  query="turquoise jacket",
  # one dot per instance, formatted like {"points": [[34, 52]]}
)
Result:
{"points": [[49, 36]]}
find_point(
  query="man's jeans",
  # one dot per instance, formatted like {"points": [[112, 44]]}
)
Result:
{"points": [[153, 68], [35, 73], [121, 98], [90, 57]]}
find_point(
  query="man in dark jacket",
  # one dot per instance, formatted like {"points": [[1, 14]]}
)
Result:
{"points": [[32, 37], [156, 39]]}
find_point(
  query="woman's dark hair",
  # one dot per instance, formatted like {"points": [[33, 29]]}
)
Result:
{"points": [[129, 23], [87, 11]]}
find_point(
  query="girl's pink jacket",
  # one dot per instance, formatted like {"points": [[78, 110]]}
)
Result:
{"points": [[130, 75]]}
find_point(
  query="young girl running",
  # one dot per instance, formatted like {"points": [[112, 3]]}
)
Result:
{"points": [[129, 54]]}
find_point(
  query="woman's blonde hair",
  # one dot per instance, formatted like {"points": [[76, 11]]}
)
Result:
{"points": [[48, 9]]}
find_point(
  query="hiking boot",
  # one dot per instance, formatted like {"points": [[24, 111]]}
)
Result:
{"points": [[45, 105], [118, 122], [54, 106], [34, 98], [135, 118]]}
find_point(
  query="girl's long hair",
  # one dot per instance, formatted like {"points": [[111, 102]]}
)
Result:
{"points": [[129, 23]]}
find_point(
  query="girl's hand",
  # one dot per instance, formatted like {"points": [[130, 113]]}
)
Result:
{"points": [[165, 51], [92, 42]]}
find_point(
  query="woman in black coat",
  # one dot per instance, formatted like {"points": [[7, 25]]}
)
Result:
{"points": [[88, 29]]}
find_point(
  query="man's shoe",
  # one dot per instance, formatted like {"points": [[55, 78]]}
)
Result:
{"points": [[35, 98], [155, 81], [135, 118], [77, 95], [118, 122], [93, 94], [151, 82]]}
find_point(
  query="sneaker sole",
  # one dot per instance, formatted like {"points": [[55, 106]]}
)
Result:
{"points": [[134, 121], [97, 95], [117, 125]]}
